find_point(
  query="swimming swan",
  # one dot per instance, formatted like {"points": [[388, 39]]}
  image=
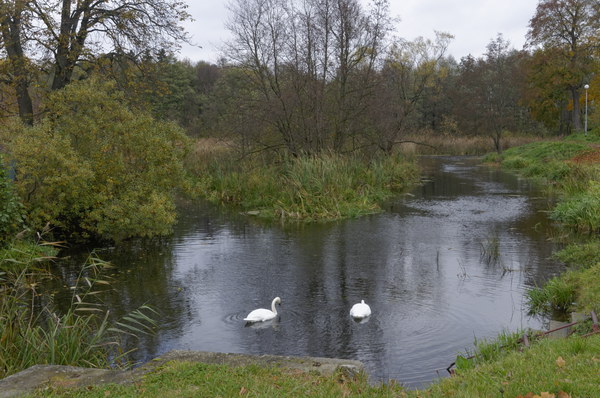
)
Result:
{"points": [[360, 310], [263, 314]]}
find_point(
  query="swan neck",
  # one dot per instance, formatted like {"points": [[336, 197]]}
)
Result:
{"points": [[273, 306]]}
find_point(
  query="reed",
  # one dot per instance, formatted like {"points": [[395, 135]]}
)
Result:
{"points": [[33, 331], [490, 250], [557, 295], [308, 188]]}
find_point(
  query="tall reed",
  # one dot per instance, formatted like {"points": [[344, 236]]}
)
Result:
{"points": [[33, 331]]}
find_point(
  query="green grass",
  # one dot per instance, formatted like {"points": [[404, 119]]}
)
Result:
{"points": [[580, 255], [576, 184], [557, 295], [326, 187], [186, 379], [570, 366]]}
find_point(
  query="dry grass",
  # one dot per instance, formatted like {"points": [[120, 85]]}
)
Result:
{"points": [[427, 143]]}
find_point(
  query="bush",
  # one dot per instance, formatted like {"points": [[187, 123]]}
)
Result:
{"points": [[94, 168], [11, 210]]}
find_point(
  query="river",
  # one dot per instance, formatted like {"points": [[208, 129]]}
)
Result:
{"points": [[444, 264]]}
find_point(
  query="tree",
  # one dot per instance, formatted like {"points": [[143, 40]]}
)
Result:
{"points": [[409, 69], [312, 62], [570, 27], [62, 33], [14, 18], [489, 91]]}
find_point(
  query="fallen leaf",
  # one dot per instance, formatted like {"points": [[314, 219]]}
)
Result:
{"points": [[547, 395], [243, 391], [562, 394], [560, 362]]}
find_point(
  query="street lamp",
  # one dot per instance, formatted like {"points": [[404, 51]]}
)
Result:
{"points": [[586, 101]]}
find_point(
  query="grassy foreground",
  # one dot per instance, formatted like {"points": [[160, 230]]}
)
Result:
{"points": [[550, 368]]}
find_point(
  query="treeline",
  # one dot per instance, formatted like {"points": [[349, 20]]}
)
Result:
{"points": [[309, 76]]}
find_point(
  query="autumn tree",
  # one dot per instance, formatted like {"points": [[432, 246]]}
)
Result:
{"points": [[569, 28], [60, 34]]}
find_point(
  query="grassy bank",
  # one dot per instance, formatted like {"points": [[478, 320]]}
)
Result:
{"points": [[557, 368], [570, 171], [324, 187]]}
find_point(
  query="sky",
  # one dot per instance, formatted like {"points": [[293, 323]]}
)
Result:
{"points": [[472, 22]]}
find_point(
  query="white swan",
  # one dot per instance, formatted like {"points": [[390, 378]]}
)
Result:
{"points": [[263, 314], [360, 310]]}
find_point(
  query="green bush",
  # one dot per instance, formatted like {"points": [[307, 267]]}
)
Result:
{"points": [[11, 210], [94, 168]]}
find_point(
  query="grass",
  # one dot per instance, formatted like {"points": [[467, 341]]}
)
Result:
{"points": [[570, 367], [33, 332], [325, 187], [429, 143], [570, 170], [186, 379]]}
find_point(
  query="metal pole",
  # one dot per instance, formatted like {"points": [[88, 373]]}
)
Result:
{"points": [[586, 109], [585, 128]]}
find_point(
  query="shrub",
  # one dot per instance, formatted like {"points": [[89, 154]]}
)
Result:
{"points": [[94, 168], [11, 210]]}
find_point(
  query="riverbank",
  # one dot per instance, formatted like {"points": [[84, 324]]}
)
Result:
{"points": [[265, 376], [551, 368], [570, 172]]}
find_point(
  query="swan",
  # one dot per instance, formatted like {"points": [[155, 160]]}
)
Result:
{"points": [[360, 310], [263, 314]]}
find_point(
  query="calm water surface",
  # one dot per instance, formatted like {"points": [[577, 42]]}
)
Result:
{"points": [[419, 266]]}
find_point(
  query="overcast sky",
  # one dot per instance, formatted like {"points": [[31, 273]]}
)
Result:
{"points": [[473, 23]]}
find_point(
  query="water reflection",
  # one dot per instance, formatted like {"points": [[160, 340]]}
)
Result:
{"points": [[419, 266]]}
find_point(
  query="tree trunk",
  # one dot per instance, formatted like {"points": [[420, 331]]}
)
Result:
{"points": [[11, 35], [576, 110]]}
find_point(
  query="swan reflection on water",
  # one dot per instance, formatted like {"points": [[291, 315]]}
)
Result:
{"points": [[271, 323]]}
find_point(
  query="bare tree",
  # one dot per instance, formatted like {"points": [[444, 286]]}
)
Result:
{"points": [[311, 61], [14, 18], [409, 69]]}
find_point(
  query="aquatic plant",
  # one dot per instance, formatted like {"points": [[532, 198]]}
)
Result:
{"points": [[33, 331]]}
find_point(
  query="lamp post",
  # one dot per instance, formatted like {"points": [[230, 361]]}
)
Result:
{"points": [[586, 106]]}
